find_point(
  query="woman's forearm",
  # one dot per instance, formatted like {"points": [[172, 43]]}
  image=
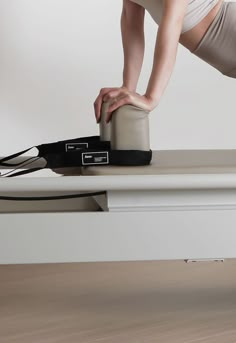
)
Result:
{"points": [[164, 59], [133, 46]]}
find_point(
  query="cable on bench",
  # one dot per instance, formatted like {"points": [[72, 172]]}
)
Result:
{"points": [[43, 198], [59, 197]]}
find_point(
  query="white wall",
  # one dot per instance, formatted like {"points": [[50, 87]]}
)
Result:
{"points": [[55, 55]]}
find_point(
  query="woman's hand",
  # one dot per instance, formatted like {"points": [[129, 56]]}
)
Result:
{"points": [[119, 97]]}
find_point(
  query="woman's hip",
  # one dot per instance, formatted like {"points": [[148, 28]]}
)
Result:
{"points": [[218, 45]]}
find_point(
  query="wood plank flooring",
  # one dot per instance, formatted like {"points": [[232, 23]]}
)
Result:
{"points": [[118, 302]]}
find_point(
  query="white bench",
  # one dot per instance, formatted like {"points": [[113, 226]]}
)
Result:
{"points": [[183, 206]]}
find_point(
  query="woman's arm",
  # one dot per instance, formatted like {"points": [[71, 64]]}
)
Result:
{"points": [[132, 31], [166, 47], [164, 60]]}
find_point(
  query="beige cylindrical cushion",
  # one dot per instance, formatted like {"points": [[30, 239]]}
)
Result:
{"points": [[105, 128], [130, 129]]}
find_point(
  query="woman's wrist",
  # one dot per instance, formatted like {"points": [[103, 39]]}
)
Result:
{"points": [[152, 97], [128, 87]]}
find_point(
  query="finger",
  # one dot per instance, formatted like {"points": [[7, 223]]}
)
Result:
{"points": [[103, 91], [113, 94], [97, 108], [121, 102], [98, 103]]}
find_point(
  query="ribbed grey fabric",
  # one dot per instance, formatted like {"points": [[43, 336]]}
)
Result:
{"points": [[218, 46], [196, 11]]}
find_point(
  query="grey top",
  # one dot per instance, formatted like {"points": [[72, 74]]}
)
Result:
{"points": [[196, 11]]}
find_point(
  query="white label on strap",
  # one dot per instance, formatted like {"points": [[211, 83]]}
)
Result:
{"points": [[93, 158]]}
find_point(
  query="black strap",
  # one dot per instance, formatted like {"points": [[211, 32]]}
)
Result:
{"points": [[90, 142], [23, 172], [84, 151], [10, 157], [23, 166], [92, 157], [70, 145]]}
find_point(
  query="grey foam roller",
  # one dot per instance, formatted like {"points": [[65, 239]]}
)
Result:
{"points": [[130, 129]]}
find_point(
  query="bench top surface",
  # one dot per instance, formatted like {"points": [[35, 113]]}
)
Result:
{"points": [[175, 162]]}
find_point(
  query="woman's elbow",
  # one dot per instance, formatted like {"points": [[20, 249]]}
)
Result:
{"points": [[132, 11]]}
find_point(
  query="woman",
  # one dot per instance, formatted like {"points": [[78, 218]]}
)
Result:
{"points": [[206, 27]]}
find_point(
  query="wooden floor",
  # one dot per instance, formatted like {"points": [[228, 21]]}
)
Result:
{"points": [[133, 302]]}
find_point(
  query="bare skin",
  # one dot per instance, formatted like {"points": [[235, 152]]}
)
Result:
{"points": [[168, 38], [192, 38]]}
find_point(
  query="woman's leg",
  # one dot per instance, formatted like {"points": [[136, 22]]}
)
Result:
{"points": [[218, 46]]}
